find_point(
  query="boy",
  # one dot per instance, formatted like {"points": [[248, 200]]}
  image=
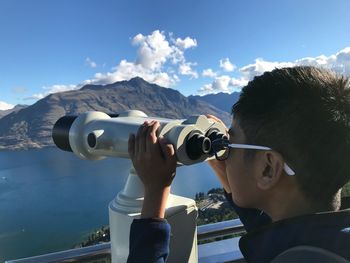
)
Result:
{"points": [[286, 156]]}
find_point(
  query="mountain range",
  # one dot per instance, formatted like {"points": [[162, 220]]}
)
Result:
{"points": [[31, 126], [16, 108], [222, 101]]}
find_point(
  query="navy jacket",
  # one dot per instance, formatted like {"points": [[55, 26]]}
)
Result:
{"points": [[149, 238], [149, 241], [329, 230]]}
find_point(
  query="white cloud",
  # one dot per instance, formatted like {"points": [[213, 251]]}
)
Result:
{"points": [[317, 61], [248, 72], [220, 84], [206, 89], [154, 50], [90, 63], [209, 73], [154, 54], [226, 65], [238, 83], [127, 70], [157, 55], [226, 84], [37, 96], [5, 105], [186, 43], [339, 62], [186, 69], [53, 89], [60, 88]]}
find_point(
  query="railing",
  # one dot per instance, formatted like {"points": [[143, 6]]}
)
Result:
{"points": [[102, 252], [219, 229], [96, 253]]}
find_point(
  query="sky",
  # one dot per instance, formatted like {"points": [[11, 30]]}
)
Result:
{"points": [[195, 46]]}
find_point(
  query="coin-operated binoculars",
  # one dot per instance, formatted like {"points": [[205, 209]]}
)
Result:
{"points": [[96, 135]]}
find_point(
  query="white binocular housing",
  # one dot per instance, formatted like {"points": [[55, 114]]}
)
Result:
{"points": [[95, 135]]}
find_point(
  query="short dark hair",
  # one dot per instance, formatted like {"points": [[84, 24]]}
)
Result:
{"points": [[304, 114]]}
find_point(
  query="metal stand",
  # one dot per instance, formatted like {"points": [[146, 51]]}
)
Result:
{"points": [[181, 213]]}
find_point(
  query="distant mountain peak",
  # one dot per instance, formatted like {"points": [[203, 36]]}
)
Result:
{"points": [[137, 79]]}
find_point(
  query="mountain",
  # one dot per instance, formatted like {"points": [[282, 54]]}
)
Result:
{"points": [[31, 127], [16, 108], [222, 101]]}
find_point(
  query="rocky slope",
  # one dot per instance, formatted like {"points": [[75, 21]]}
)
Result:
{"points": [[222, 101]]}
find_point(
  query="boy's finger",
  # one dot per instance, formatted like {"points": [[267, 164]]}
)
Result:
{"points": [[168, 150], [137, 139], [142, 138], [153, 133], [131, 145], [151, 141], [209, 116]]}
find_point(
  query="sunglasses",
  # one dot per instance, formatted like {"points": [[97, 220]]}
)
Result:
{"points": [[219, 145]]}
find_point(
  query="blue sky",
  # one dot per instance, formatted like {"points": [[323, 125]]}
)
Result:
{"points": [[197, 47]]}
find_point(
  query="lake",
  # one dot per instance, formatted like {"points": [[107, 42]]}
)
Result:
{"points": [[50, 200]]}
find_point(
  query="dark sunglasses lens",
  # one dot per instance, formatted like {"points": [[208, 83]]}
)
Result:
{"points": [[219, 144], [219, 147]]}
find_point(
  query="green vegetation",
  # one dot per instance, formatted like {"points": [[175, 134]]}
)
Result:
{"points": [[346, 190], [212, 208], [220, 210], [99, 236]]}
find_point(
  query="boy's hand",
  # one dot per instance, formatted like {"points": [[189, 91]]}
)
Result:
{"points": [[155, 163], [219, 167]]}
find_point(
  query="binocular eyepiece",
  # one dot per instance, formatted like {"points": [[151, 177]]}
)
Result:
{"points": [[197, 145], [95, 135]]}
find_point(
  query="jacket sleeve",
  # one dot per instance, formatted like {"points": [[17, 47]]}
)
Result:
{"points": [[250, 218], [149, 241]]}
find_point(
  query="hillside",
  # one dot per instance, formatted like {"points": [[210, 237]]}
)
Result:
{"points": [[222, 101]]}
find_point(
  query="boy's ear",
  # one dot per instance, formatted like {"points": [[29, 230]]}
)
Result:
{"points": [[270, 170]]}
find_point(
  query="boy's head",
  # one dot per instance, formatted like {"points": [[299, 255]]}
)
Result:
{"points": [[303, 113]]}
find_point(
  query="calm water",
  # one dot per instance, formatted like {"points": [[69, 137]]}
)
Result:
{"points": [[50, 200]]}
